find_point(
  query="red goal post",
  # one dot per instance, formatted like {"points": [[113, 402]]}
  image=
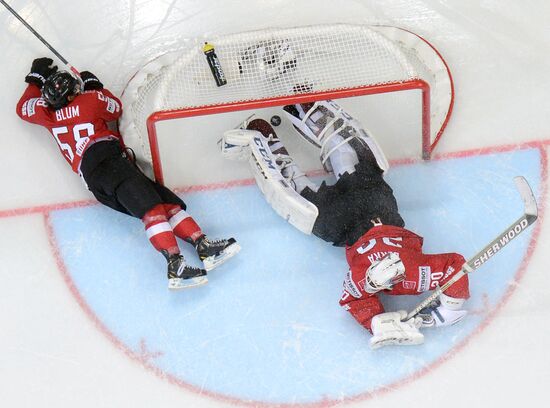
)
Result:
{"points": [[275, 67]]}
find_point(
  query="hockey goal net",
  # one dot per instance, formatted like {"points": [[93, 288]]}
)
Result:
{"points": [[275, 67]]}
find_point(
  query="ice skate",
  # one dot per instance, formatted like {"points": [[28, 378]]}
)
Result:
{"points": [[444, 311], [215, 252], [183, 276], [426, 314]]}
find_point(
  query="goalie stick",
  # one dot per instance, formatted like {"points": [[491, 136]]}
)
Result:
{"points": [[529, 217], [37, 35]]}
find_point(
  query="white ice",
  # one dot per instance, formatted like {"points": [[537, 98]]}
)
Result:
{"points": [[53, 353]]}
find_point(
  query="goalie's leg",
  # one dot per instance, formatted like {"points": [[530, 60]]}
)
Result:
{"points": [[342, 140], [276, 175], [289, 169]]}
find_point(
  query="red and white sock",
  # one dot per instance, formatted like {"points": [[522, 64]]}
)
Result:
{"points": [[183, 225], [159, 231]]}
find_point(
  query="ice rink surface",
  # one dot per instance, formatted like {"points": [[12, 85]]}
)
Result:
{"points": [[86, 319]]}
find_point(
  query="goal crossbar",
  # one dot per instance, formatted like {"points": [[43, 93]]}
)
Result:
{"points": [[418, 84]]}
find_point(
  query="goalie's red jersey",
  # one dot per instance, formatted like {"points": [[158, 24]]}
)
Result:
{"points": [[422, 272], [76, 126]]}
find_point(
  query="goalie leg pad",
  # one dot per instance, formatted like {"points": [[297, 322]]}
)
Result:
{"points": [[286, 202], [389, 330], [325, 120]]}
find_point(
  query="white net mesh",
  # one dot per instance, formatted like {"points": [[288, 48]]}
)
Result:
{"points": [[273, 63]]}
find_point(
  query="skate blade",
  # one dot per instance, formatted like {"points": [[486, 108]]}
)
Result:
{"points": [[216, 260], [179, 283]]}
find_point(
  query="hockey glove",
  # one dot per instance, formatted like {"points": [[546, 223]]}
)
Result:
{"points": [[388, 329], [91, 83], [41, 69]]}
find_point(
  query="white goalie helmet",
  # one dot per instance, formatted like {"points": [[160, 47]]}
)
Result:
{"points": [[384, 273]]}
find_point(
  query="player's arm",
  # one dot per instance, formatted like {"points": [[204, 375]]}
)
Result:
{"points": [[362, 306], [361, 300], [109, 106], [31, 107]]}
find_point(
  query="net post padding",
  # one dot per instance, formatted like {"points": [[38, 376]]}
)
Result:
{"points": [[264, 67]]}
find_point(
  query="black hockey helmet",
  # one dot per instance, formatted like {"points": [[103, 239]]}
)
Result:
{"points": [[59, 87]]}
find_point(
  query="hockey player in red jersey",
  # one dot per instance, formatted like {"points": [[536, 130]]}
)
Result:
{"points": [[358, 212], [77, 111], [389, 259]]}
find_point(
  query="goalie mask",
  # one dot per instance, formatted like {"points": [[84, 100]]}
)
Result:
{"points": [[270, 59], [59, 87], [385, 273]]}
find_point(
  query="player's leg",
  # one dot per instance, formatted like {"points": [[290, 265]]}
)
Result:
{"points": [[161, 236], [330, 223], [121, 186], [342, 140], [322, 210], [138, 194], [212, 252], [276, 174], [344, 211]]}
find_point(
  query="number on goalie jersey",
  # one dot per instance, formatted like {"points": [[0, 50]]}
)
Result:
{"points": [[77, 112]]}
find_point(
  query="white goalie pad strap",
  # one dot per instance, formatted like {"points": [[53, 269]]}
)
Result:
{"points": [[304, 129], [235, 144], [278, 192], [389, 330]]}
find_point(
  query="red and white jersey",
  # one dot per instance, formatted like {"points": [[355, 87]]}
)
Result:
{"points": [[422, 272], [76, 126]]}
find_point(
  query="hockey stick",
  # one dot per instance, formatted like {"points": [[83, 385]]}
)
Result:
{"points": [[32, 30], [529, 217]]}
